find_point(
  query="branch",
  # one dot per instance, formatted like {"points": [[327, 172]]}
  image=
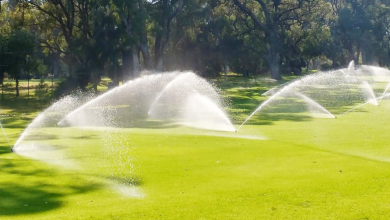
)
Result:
{"points": [[265, 10], [173, 15], [63, 9], [44, 11], [176, 11], [51, 48], [290, 10], [244, 9], [57, 18]]}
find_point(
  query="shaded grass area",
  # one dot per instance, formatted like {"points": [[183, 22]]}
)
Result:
{"points": [[29, 187]]}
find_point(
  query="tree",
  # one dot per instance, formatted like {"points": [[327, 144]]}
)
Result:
{"points": [[219, 36], [270, 17], [132, 30], [164, 11], [15, 48], [61, 15], [358, 31]]}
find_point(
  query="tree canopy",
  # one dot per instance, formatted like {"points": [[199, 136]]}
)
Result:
{"points": [[84, 40]]}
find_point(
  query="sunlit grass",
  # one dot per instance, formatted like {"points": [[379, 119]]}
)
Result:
{"points": [[279, 166]]}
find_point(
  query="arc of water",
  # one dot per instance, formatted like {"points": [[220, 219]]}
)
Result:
{"points": [[372, 98], [220, 112], [27, 129], [216, 109], [384, 92], [155, 101], [380, 98], [163, 91], [351, 109], [385, 95], [167, 87], [97, 99], [5, 135], [225, 118], [307, 99], [351, 65], [267, 101]]}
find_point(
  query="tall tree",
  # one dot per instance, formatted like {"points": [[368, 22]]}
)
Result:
{"points": [[164, 13], [61, 15], [132, 17], [270, 16], [15, 49]]}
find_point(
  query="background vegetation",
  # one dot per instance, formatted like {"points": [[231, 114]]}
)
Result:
{"points": [[85, 40]]}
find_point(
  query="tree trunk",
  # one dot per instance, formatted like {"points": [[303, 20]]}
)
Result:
{"points": [[55, 66], [225, 66], [274, 57], [127, 59], [357, 54], [287, 67], [17, 85], [144, 40], [136, 69], [145, 51], [131, 67], [334, 61], [351, 54], [70, 69], [163, 37], [275, 70], [159, 64], [274, 66], [307, 65], [364, 57], [1, 77]]}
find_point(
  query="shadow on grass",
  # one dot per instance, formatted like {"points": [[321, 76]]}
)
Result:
{"points": [[152, 124], [133, 180], [269, 119], [38, 136], [17, 199], [28, 188], [18, 112], [20, 104], [4, 149]]}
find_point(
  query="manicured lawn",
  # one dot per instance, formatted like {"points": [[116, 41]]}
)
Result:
{"points": [[279, 166]]}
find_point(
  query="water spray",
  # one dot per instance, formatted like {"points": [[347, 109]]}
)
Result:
{"points": [[5, 135]]}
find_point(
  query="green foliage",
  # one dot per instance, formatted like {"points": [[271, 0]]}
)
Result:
{"points": [[15, 48], [116, 38]]}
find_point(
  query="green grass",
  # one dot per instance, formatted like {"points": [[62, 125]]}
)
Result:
{"points": [[277, 167]]}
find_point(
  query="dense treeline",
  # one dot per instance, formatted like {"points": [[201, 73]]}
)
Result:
{"points": [[84, 40]]}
